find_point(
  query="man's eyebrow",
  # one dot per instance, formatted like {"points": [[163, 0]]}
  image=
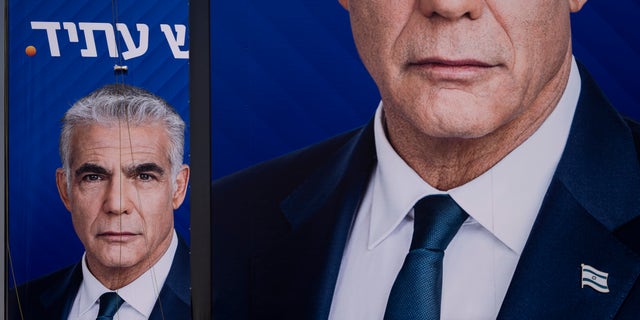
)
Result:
{"points": [[144, 167], [92, 168]]}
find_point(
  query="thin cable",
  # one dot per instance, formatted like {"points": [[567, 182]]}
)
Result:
{"points": [[114, 14], [120, 213], [15, 285], [120, 78], [150, 266], [115, 21]]}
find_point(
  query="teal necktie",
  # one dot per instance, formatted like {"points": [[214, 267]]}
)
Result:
{"points": [[417, 291], [109, 304]]}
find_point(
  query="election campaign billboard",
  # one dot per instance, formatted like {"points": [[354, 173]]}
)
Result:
{"points": [[59, 51]]}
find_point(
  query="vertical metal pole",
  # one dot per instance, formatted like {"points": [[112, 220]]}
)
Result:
{"points": [[3, 171], [200, 119]]}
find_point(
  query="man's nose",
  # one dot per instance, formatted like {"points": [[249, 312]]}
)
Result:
{"points": [[116, 199], [452, 9]]}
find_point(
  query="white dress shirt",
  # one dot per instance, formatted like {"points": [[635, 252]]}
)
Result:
{"points": [[480, 260], [140, 295]]}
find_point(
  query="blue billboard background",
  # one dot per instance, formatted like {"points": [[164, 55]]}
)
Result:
{"points": [[77, 43], [286, 74]]}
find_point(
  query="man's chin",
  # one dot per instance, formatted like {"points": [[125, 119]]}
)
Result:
{"points": [[119, 261], [460, 130]]}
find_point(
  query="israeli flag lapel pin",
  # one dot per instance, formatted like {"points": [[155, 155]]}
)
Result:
{"points": [[594, 278]]}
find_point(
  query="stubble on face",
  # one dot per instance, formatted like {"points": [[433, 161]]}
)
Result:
{"points": [[460, 93]]}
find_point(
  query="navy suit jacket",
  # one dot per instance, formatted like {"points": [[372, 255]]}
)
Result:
{"points": [[52, 296], [280, 228]]}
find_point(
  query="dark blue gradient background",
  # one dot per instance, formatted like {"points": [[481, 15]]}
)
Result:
{"points": [[286, 74]]}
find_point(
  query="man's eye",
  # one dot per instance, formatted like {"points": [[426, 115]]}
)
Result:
{"points": [[145, 177], [92, 177]]}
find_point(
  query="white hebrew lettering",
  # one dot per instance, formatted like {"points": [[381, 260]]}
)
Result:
{"points": [[89, 28], [176, 42], [51, 28], [134, 51], [175, 36], [71, 30]]}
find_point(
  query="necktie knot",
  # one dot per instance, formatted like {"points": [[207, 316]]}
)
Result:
{"points": [[437, 220], [417, 291], [110, 302]]}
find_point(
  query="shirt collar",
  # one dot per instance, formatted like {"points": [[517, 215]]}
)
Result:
{"points": [[505, 200], [137, 294]]}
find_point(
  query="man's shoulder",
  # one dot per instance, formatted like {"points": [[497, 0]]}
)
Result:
{"points": [[280, 175], [249, 201], [46, 282], [247, 219], [33, 297]]}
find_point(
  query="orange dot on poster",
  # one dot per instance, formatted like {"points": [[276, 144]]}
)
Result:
{"points": [[30, 51]]}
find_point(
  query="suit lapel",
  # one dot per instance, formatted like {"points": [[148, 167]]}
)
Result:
{"points": [[296, 279], [174, 301], [58, 299], [547, 282], [593, 195]]}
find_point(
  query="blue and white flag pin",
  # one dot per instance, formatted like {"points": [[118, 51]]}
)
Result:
{"points": [[594, 278]]}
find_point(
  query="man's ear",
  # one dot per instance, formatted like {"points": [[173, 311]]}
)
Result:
{"points": [[181, 183], [575, 5], [63, 188], [344, 3]]}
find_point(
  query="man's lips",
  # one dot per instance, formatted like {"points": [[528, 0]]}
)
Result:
{"points": [[453, 63], [447, 69], [117, 235]]}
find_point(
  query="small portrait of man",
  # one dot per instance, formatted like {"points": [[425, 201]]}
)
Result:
{"points": [[121, 179]]}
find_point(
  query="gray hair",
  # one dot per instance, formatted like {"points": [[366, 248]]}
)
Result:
{"points": [[121, 102]]}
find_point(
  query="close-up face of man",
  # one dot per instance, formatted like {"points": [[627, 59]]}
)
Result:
{"points": [[464, 68], [121, 195]]}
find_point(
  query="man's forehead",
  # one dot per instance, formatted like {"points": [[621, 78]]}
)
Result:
{"points": [[113, 145]]}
